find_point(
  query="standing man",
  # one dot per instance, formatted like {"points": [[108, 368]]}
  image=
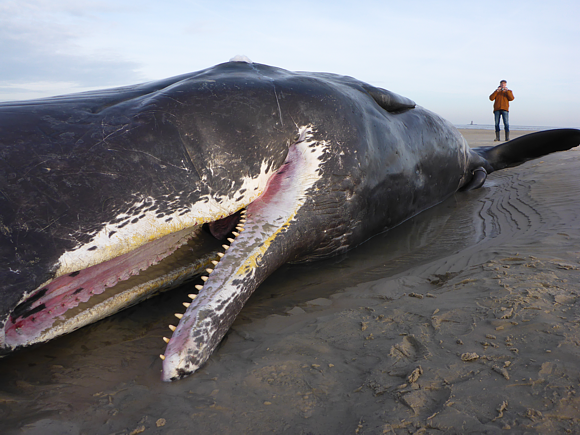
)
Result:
{"points": [[502, 96]]}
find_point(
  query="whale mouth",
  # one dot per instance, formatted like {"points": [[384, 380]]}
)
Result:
{"points": [[72, 301], [90, 292], [243, 247]]}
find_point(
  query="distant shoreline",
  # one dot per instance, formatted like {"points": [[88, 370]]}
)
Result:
{"points": [[492, 127]]}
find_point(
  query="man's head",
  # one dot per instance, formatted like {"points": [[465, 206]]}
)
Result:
{"points": [[503, 84]]}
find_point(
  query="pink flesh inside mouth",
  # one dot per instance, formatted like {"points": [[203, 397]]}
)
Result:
{"points": [[56, 301]]}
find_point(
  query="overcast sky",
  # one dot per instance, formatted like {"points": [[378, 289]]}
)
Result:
{"points": [[448, 56]]}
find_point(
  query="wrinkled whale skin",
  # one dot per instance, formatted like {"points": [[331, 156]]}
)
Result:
{"points": [[319, 162]]}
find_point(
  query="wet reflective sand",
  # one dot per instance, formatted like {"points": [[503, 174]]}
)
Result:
{"points": [[462, 320]]}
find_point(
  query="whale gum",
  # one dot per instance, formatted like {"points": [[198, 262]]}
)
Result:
{"points": [[462, 319]]}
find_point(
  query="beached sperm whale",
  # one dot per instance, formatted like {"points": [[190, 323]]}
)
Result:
{"points": [[111, 196]]}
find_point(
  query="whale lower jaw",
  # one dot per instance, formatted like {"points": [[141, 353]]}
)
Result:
{"points": [[266, 239]]}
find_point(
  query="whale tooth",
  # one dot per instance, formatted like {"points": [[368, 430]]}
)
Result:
{"points": [[166, 340], [235, 234], [178, 315], [192, 296], [162, 357], [230, 240], [226, 247], [209, 270], [204, 278], [220, 254], [214, 262], [173, 328], [198, 286], [186, 304]]}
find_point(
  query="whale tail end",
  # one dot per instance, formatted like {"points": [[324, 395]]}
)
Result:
{"points": [[529, 147]]}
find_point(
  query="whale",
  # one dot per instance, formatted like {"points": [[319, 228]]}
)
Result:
{"points": [[110, 197]]}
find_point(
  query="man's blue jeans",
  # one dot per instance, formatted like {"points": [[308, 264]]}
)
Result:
{"points": [[506, 119]]}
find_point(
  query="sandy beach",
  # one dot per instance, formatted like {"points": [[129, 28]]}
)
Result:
{"points": [[465, 319], [480, 138]]}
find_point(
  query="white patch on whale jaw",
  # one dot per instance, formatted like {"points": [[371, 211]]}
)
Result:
{"points": [[131, 231]]}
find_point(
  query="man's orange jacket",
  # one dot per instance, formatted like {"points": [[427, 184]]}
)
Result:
{"points": [[502, 100]]}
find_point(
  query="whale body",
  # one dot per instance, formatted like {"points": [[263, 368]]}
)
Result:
{"points": [[110, 197]]}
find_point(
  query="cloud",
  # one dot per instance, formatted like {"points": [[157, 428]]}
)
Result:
{"points": [[39, 45]]}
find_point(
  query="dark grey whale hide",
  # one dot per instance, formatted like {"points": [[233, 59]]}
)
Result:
{"points": [[109, 197]]}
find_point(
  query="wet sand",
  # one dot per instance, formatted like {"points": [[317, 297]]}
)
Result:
{"points": [[464, 319], [480, 138]]}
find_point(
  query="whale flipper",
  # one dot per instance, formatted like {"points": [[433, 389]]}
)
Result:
{"points": [[528, 147], [479, 176]]}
